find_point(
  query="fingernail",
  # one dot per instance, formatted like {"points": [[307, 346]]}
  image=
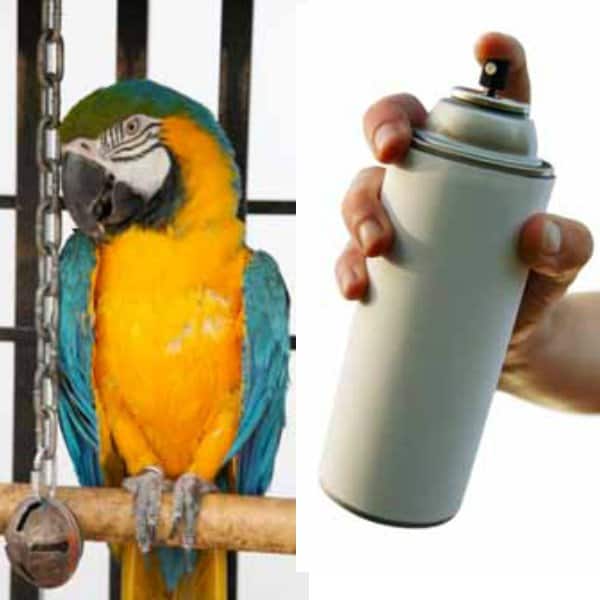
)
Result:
{"points": [[369, 232], [347, 278], [551, 237], [386, 134]]}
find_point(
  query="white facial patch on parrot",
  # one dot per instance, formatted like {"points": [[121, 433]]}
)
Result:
{"points": [[131, 150]]}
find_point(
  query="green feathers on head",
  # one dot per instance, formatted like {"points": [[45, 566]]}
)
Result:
{"points": [[107, 106]]}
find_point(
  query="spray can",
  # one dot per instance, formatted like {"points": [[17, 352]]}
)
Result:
{"points": [[427, 345]]}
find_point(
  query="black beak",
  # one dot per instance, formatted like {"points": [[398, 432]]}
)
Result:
{"points": [[98, 204]]}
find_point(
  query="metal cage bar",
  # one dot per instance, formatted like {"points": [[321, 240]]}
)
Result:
{"points": [[132, 63], [271, 207], [132, 39], [28, 107], [8, 202], [234, 109], [254, 207], [234, 84]]}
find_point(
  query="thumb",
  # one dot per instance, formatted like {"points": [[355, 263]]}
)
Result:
{"points": [[555, 249]]}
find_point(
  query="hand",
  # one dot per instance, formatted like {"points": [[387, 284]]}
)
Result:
{"points": [[553, 247]]}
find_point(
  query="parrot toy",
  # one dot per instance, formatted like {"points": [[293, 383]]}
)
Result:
{"points": [[173, 334]]}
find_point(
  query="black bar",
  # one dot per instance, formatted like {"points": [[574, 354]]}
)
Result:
{"points": [[234, 110], [293, 342], [17, 334], [114, 590], [271, 207], [234, 95], [132, 45], [8, 202], [132, 39], [29, 25], [253, 207]]}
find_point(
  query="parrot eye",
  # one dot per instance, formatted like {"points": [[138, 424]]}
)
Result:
{"points": [[132, 126]]}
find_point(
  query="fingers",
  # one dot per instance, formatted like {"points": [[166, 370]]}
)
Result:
{"points": [[351, 272], [364, 215], [388, 126], [388, 123], [555, 249], [370, 230], [499, 45]]}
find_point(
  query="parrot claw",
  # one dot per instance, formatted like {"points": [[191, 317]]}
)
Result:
{"points": [[188, 494], [147, 488]]}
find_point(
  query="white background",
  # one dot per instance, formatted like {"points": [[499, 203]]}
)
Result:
{"points": [[184, 54], [530, 523]]}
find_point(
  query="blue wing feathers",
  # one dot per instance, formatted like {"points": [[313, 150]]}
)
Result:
{"points": [[76, 406], [265, 373]]}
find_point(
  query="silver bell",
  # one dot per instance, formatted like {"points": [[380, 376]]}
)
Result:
{"points": [[43, 542]]}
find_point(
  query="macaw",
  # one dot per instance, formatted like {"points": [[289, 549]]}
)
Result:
{"points": [[173, 334]]}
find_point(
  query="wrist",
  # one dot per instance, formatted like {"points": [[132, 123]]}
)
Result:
{"points": [[528, 352]]}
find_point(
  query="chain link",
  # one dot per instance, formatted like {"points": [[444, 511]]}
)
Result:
{"points": [[50, 62]]}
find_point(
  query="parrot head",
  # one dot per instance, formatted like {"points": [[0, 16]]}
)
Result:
{"points": [[129, 153]]}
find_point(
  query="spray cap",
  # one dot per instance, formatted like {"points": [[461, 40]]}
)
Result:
{"points": [[478, 126], [494, 75]]}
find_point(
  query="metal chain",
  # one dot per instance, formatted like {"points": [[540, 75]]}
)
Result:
{"points": [[50, 55]]}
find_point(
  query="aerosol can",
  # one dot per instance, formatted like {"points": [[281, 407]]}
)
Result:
{"points": [[427, 345]]}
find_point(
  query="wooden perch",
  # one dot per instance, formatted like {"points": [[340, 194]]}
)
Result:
{"points": [[226, 521]]}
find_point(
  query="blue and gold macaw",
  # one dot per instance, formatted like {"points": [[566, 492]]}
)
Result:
{"points": [[173, 335]]}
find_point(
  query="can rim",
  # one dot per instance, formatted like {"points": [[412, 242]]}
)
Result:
{"points": [[478, 97], [543, 170]]}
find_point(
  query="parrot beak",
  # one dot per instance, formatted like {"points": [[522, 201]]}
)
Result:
{"points": [[100, 205]]}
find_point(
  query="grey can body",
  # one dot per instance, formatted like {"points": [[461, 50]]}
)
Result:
{"points": [[427, 345]]}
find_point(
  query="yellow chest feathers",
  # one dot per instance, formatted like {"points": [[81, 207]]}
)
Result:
{"points": [[169, 331], [163, 299]]}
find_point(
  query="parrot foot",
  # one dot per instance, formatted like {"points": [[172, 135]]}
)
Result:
{"points": [[187, 499], [147, 488]]}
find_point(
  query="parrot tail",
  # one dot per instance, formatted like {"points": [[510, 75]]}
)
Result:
{"points": [[161, 575]]}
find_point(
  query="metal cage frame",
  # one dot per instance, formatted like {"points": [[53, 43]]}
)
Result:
{"points": [[234, 105]]}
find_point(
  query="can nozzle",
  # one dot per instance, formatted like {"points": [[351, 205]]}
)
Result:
{"points": [[494, 75]]}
